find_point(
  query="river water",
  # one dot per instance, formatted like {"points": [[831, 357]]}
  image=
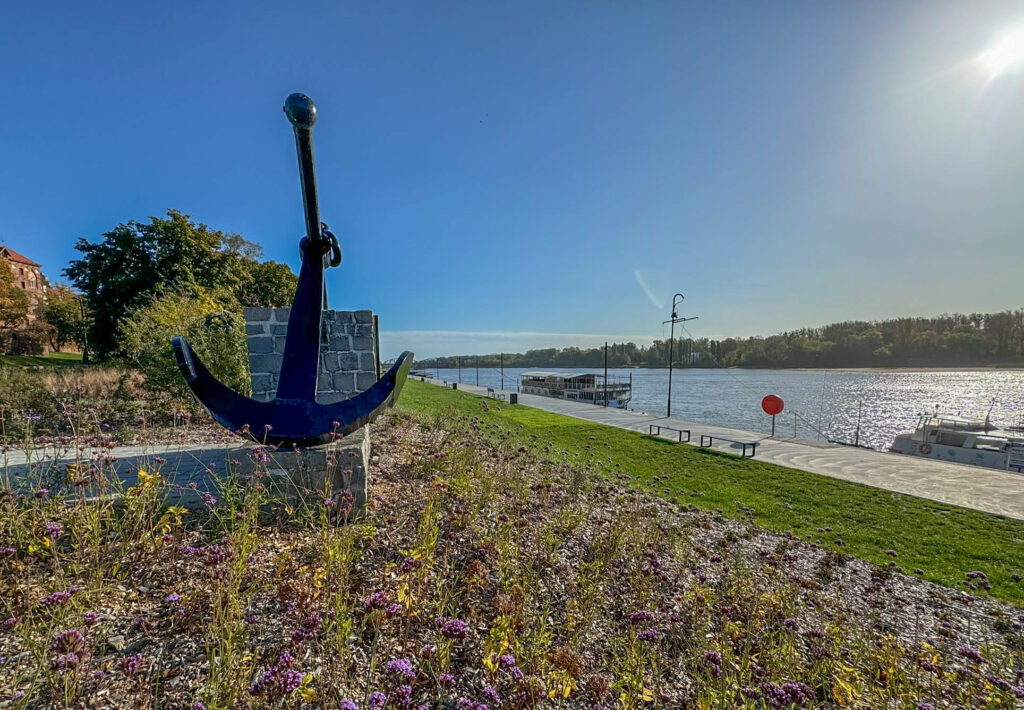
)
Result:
{"points": [[819, 403]]}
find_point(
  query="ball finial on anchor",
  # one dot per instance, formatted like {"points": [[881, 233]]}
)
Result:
{"points": [[301, 110]]}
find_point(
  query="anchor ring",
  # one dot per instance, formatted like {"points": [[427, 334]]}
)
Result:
{"points": [[332, 241]]}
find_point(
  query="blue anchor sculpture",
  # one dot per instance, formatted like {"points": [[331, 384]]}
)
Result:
{"points": [[293, 417]]}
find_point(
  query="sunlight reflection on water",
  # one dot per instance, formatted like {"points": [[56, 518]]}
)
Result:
{"points": [[822, 400]]}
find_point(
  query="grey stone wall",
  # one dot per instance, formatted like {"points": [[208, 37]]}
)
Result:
{"points": [[348, 364]]}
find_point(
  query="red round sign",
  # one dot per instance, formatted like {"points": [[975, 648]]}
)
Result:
{"points": [[772, 405]]}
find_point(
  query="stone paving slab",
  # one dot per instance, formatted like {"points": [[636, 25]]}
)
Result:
{"points": [[984, 489]]}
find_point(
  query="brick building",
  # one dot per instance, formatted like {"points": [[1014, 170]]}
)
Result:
{"points": [[27, 277]]}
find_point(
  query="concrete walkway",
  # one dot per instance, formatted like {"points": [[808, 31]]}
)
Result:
{"points": [[974, 487]]}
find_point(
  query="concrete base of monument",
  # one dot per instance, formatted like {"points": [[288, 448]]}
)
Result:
{"points": [[190, 471], [312, 475]]}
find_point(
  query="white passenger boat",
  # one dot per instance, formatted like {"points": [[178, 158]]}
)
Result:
{"points": [[579, 386], [976, 442]]}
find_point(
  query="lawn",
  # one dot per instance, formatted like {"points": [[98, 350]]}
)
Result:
{"points": [[943, 542], [51, 360]]}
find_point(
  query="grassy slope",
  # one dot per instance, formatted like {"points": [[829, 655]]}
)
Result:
{"points": [[942, 540], [51, 360]]}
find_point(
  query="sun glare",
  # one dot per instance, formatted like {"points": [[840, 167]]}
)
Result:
{"points": [[1005, 55]]}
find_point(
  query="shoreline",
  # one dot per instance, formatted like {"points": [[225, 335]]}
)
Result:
{"points": [[881, 370]]}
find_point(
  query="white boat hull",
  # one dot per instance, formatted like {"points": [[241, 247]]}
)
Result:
{"points": [[952, 454]]}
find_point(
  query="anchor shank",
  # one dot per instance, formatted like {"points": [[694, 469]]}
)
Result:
{"points": [[301, 362], [307, 174]]}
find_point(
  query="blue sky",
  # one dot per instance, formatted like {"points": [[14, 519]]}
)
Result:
{"points": [[501, 172]]}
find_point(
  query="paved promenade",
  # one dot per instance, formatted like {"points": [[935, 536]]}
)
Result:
{"points": [[983, 489]]}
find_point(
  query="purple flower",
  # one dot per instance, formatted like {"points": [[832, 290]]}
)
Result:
{"points": [[198, 705], [971, 654], [640, 617], [348, 705], [172, 598], [403, 666], [209, 500], [42, 492], [70, 641], [649, 636], [402, 697], [446, 679], [713, 657], [278, 681], [54, 530], [377, 600], [89, 618], [377, 699], [215, 555], [492, 695], [290, 680], [131, 665], [453, 628], [328, 502], [428, 650], [924, 706], [100, 675], [506, 661], [57, 599], [11, 622], [392, 609], [999, 682], [310, 623]]}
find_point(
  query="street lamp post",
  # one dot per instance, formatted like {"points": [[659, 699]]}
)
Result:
{"points": [[678, 298]]}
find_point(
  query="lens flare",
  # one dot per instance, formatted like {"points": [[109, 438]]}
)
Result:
{"points": [[1005, 55]]}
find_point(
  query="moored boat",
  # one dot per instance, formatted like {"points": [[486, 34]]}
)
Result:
{"points": [[956, 439], [586, 387]]}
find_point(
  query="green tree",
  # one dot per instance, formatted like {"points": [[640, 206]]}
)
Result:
{"points": [[266, 284], [134, 263], [63, 310], [13, 301]]}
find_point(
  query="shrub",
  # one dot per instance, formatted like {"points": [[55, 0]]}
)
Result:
{"points": [[217, 335], [23, 394]]}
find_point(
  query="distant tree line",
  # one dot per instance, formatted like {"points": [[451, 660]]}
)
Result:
{"points": [[954, 340]]}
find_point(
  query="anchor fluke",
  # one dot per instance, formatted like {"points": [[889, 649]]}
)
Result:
{"points": [[293, 417], [288, 422]]}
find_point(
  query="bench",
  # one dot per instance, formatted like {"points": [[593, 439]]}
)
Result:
{"points": [[651, 431], [706, 440]]}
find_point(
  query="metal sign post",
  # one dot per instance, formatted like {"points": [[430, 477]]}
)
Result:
{"points": [[678, 298]]}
